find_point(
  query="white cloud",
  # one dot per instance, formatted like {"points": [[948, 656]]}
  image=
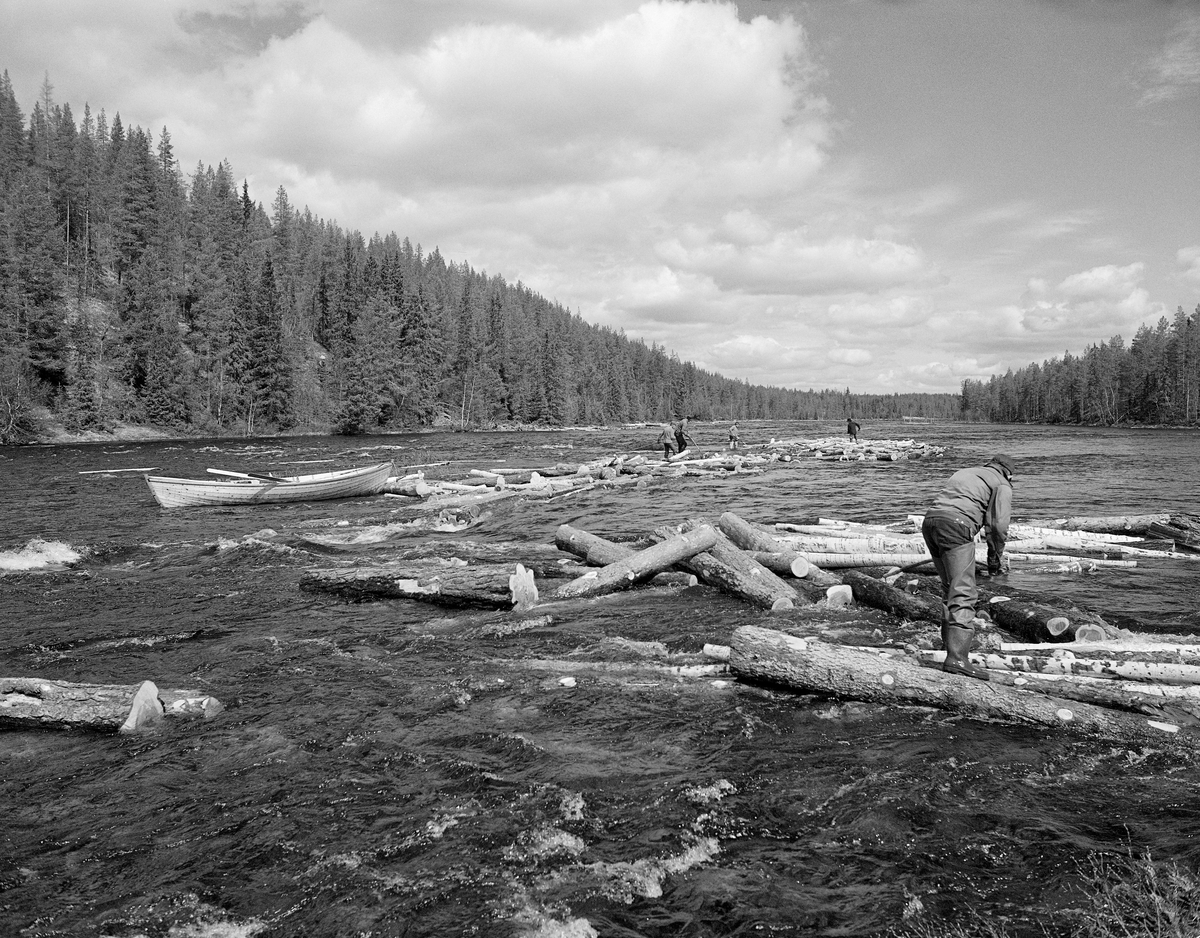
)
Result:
{"points": [[1189, 260]]}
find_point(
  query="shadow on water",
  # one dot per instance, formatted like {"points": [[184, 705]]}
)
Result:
{"points": [[395, 768]]}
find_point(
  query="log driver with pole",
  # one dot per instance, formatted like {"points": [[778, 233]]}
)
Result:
{"points": [[974, 499]]}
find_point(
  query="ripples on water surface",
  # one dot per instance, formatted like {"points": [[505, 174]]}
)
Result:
{"points": [[397, 769]]}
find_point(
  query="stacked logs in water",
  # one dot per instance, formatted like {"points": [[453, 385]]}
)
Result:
{"points": [[486, 485], [34, 703]]}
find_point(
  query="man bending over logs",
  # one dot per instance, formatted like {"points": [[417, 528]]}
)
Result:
{"points": [[973, 499]]}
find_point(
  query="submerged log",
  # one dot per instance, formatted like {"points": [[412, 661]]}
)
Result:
{"points": [[812, 666], [27, 702], [479, 586], [640, 565], [544, 560], [879, 595]]}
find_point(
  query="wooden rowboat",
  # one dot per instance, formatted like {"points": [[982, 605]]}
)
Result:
{"points": [[253, 489]]}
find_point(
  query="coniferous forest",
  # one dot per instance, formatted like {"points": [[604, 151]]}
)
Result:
{"points": [[134, 293], [1153, 380]]}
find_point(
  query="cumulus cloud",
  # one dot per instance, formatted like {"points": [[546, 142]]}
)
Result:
{"points": [[1189, 260]]}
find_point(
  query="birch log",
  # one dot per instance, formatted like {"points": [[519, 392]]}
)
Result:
{"points": [[27, 702], [479, 586], [812, 666], [641, 565], [1182, 707]]}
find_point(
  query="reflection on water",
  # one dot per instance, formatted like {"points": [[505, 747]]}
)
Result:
{"points": [[397, 769]]}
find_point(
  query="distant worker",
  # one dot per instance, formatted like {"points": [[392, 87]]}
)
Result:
{"points": [[733, 435], [852, 428], [681, 435], [667, 440], [972, 500]]}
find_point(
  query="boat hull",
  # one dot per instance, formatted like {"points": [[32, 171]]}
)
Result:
{"points": [[342, 483]]}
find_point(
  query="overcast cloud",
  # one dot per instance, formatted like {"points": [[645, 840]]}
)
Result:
{"points": [[889, 197]]}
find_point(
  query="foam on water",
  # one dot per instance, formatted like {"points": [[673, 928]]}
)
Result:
{"points": [[38, 554]]}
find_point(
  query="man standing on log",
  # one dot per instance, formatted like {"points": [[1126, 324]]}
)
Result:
{"points": [[681, 436], [852, 428], [972, 500]]}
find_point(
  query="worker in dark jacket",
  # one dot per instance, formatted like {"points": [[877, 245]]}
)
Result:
{"points": [[973, 500]]}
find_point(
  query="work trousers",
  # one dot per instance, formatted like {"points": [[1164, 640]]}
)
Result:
{"points": [[951, 542]]}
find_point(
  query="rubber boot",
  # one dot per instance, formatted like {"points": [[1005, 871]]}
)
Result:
{"points": [[957, 640]]}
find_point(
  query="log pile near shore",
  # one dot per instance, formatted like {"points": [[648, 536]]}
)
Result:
{"points": [[804, 574]]}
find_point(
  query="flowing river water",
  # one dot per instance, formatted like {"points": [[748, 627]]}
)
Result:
{"points": [[398, 769]]}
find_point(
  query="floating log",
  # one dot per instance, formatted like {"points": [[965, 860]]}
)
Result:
{"points": [[1113, 524], [478, 586], [545, 561], [600, 552], [1110, 669], [1181, 529], [812, 666], [728, 568], [641, 565], [28, 702], [849, 561], [750, 538], [1029, 619], [785, 564], [1121, 695], [1143, 649]]}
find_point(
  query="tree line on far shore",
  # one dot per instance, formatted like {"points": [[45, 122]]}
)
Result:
{"points": [[131, 293], [1154, 380]]}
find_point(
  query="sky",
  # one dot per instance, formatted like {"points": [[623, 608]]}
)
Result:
{"points": [[880, 195]]}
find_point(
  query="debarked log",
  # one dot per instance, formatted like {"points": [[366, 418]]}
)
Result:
{"points": [[812, 666], [29, 702], [478, 586], [641, 565], [750, 538], [735, 571], [600, 552]]}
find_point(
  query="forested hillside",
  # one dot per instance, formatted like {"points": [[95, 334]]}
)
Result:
{"points": [[134, 293], [1155, 380]]}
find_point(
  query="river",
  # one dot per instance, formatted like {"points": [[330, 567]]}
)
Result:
{"points": [[397, 769]]}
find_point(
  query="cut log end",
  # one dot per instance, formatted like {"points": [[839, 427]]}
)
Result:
{"points": [[1058, 625], [839, 597], [146, 709]]}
